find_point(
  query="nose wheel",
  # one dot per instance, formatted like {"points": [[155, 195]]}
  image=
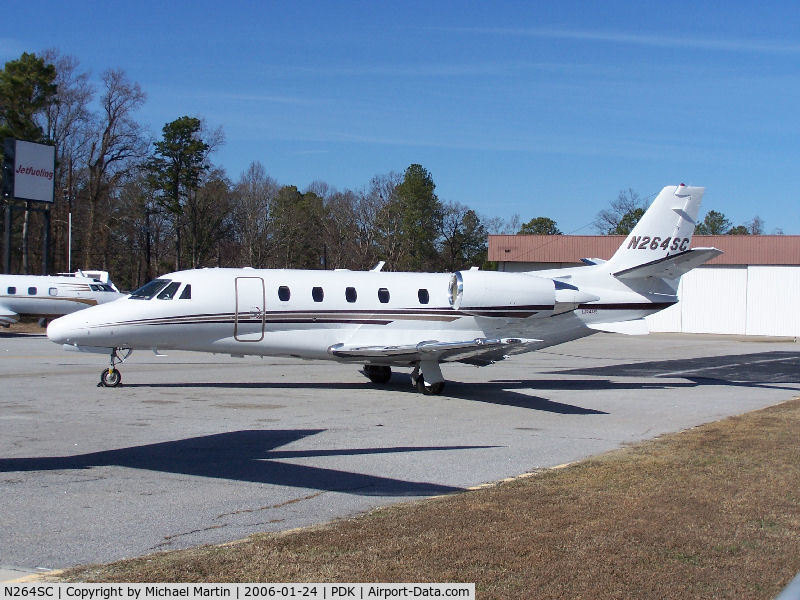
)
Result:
{"points": [[111, 377]]}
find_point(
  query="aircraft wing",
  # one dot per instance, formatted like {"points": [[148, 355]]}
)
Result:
{"points": [[8, 316], [670, 267], [480, 351]]}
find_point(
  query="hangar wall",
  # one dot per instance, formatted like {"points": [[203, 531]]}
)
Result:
{"points": [[753, 288], [741, 300]]}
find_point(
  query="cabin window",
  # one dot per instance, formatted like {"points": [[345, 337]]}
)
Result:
{"points": [[186, 294], [31, 291], [423, 296], [284, 293], [12, 290], [53, 291], [317, 294], [169, 292], [350, 294], [383, 295], [149, 290]]}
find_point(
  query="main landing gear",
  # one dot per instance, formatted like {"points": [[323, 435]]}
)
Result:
{"points": [[427, 377], [111, 377], [381, 374]]}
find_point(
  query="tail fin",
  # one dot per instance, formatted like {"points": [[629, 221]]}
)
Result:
{"points": [[664, 230]]}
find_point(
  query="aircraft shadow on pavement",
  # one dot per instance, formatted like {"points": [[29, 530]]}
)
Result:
{"points": [[247, 456], [761, 369], [17, 334], [488, 392]]}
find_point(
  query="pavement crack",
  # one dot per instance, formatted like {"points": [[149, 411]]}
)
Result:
{"points": [[168, 539], [245, 511]]}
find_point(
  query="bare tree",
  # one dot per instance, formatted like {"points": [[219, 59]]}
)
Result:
{"points": [[624, 213], [386, 219], [67, 122], [756, 226], [463, 241], [501, 226], [118, 143], [340, 231], [208, 216], [254, 194]]}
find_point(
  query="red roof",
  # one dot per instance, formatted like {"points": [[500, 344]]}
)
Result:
{"points": [[738, 249]]}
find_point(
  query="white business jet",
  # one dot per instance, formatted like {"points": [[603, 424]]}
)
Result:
{"points": [[47, 296], [384, 320]]}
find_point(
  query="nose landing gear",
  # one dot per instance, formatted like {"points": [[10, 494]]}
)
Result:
{"points": [[111, 377]]}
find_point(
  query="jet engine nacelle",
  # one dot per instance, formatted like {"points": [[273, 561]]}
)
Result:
{"points": [[488, 289]]}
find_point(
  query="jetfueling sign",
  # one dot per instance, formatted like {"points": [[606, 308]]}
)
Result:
{"points": [[28, 176], [28, 171]]}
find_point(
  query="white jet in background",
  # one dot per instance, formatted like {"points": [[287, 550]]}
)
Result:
{"points": [[415, 320], [48, 296]]}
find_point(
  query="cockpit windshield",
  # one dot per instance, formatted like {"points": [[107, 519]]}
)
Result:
{"points": [[169, 292], [149, 290], [100, 287]]}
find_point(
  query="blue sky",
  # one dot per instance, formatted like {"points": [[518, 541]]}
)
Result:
{"points": [[534, 108]]}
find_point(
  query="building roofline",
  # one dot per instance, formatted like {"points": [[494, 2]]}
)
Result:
{"points": [[737, 249]]}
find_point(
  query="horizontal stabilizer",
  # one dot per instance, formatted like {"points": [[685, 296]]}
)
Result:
{"points": [[635, 327], [670, 267]]}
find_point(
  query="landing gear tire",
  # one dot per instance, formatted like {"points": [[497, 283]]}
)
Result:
{"points": [[110, 377], [434, 389], [379, 374]]}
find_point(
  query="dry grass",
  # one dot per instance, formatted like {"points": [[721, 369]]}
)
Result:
{"points": [[713, 512], [25, 325]]}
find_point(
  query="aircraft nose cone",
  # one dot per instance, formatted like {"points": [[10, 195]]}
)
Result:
{"points": [[59, 330]]}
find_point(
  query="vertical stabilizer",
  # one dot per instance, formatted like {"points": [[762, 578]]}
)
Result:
{"points": [[664, 230]]}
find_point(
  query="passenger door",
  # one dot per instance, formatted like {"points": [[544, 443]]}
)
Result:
{"points": [[250, 309]]}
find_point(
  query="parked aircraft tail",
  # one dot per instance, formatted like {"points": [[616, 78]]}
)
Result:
{"points": [[664, 231]]}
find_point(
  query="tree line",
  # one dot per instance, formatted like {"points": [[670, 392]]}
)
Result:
{"points": [[142, 205], [624, 212]]}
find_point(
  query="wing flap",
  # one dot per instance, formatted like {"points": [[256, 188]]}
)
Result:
{"points": [[465, 351]]}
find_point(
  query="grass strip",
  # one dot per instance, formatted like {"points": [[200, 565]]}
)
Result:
{"points": [[711, 512]]}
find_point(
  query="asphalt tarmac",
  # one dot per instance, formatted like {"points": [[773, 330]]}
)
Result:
{"points": [[201, 449]]}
